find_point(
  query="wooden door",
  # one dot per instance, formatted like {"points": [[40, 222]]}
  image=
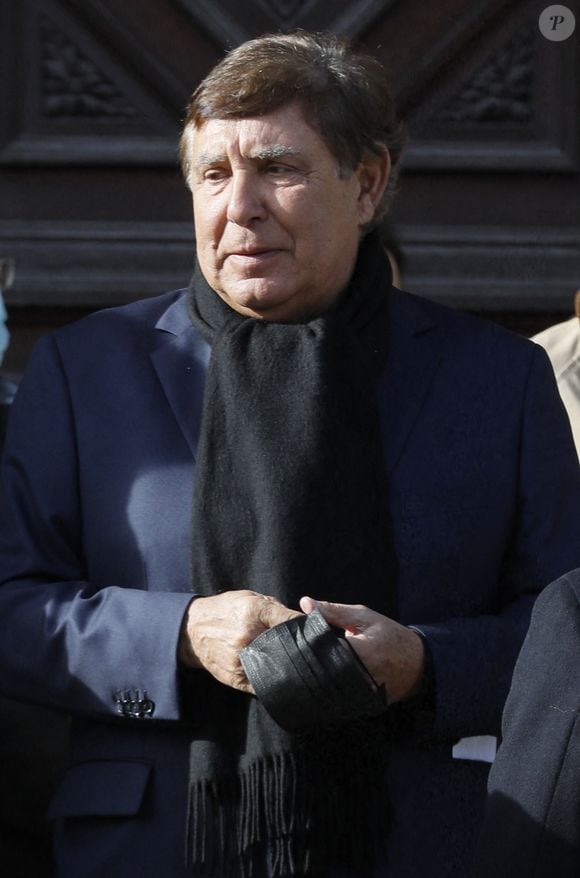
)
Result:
{"points": [[92, 94]]}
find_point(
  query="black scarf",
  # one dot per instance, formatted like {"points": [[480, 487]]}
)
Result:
{"points": [[290, 499]]}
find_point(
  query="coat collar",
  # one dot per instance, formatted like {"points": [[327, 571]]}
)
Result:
{"points": [[181, 360]]}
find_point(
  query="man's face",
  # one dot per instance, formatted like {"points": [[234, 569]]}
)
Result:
{"points": [[277, 228]]}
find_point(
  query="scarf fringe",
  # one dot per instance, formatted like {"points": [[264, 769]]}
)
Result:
{"points": [[280, 818]]}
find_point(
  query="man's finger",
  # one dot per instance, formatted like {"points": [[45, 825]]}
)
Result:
{"points": [[307, 605], [350, 617], [270, 613]]}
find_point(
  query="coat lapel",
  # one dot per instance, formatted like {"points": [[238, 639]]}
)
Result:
{"points": [[180, 362], [413, 359]]}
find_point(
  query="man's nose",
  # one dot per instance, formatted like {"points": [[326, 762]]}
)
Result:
{"points": [[246, 199]]}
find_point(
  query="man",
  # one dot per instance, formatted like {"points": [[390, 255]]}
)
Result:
{"points": [[7, 387], [562, 344], [289, 436], [33, 739], [531, 825]]}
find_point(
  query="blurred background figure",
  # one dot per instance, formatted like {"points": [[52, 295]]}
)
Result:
{"points": [[390, 242], [6, 280], [562, 344], [531, 826], [7, 387], [33, 738]]}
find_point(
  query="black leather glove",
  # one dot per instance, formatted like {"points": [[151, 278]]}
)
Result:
{"points": [[305, 674]]}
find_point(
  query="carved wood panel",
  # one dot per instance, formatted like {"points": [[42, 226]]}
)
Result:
{"points": [[92, 93]]}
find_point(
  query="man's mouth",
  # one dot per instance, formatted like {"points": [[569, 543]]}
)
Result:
{"points": [[255, 252]]}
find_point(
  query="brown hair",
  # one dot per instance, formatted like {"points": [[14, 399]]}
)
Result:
{"points": [[342, 90]]}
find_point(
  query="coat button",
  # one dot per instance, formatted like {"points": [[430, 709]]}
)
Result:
{"points": [[146, 706], [133, 703]]}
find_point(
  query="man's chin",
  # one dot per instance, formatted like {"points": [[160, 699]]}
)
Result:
{"points": [[264, 304]]}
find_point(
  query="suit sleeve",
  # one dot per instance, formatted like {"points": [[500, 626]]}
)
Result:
{"points": [[534, 795], [473, 658], [63, 642]]}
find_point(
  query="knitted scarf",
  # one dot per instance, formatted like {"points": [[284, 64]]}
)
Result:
{"points": [[290, 499]]}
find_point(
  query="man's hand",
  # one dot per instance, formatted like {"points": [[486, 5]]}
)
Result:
{"points": [[216, 628], [393, 654]]}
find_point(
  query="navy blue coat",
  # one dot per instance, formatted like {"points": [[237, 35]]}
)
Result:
{"points": [[94, 546]]}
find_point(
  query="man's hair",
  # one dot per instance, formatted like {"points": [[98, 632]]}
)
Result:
{"points": [[343, 93]]}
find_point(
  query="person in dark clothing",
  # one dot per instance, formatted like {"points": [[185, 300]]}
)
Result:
{"points": [[531, 826]]}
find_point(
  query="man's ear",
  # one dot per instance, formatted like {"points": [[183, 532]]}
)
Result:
{"points": [[373, 175]]}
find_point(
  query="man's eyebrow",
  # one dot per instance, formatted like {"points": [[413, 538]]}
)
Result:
{"points": [[276, 151], [263, 154], [205, 159]]}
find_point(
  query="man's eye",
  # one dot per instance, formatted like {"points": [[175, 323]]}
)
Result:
{"points": [[215, 175], [279, 170]]}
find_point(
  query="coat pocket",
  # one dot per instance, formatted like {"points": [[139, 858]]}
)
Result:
{"points": [[101, 788]]}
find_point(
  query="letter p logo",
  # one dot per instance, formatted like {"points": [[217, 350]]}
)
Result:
{"points": [[557, 23]]}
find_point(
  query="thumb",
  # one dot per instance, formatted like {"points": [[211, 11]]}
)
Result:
{"points": [[346, 616], [272, 613], [308, 605]]}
